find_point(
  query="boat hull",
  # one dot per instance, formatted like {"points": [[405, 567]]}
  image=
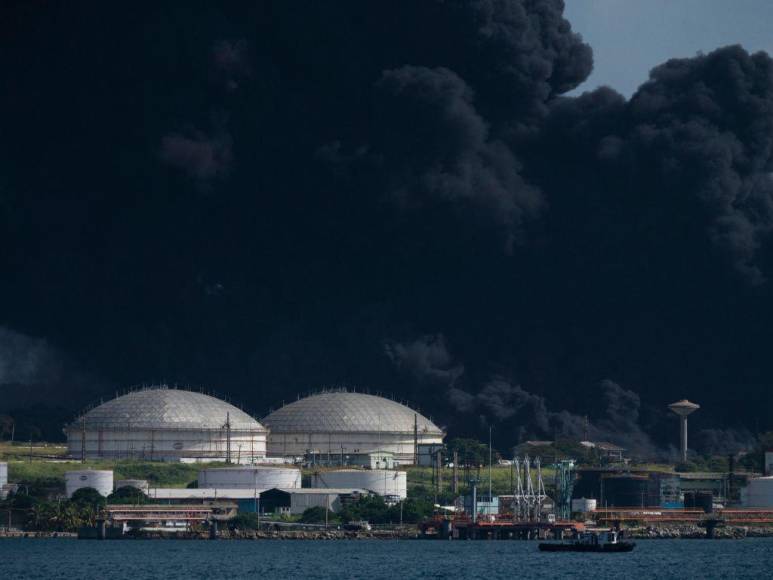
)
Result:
{"points": [[603, 548]]}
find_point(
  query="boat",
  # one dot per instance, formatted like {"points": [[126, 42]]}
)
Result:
{"points": [[590, 542]]}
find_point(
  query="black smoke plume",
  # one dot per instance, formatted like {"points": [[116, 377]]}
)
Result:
{"points": [[253, 196]]}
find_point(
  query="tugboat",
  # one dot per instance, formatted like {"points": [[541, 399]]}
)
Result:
{"points": [[590, 542]]}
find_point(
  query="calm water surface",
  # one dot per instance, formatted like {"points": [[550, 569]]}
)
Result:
{"points": [[393, 560]]}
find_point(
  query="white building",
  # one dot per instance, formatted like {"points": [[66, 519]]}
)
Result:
{"points": [[344, 423], [167, 424]]}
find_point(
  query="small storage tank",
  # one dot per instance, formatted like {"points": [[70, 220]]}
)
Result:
{"points": [[259, 477], [3, 474], [141, 484], [382, 482], [99, 479], [583, 505]]}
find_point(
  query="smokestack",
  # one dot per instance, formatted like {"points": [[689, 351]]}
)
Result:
{"points": [[683, 408]]}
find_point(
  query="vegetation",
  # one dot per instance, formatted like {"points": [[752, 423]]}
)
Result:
{"points": [[471, 452], [51, 474], [318, 515], [244, 521], [374, 510], [128, 495], [755, 460]]}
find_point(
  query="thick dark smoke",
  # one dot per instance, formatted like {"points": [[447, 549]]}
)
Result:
{"points": [[448, 157], [614, 418], [273, 196]]}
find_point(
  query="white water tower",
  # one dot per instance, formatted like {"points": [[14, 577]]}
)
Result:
{"points": [[683, 408]]}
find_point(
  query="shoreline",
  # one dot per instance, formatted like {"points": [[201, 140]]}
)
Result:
{"points": [[664, 533]]}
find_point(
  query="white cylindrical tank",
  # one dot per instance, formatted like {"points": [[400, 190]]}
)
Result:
{"points": [[258, 477], [141, 484], [583, 505], [3, 474], [383, 482], [759, 493], [99, 479]]}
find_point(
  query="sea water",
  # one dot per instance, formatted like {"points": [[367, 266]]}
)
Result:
{"points": [[374, 559]]}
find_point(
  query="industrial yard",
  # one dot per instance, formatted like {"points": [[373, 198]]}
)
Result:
{"points": [[160, 462]]}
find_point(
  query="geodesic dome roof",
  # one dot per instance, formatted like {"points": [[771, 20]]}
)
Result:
{"points": [[341, 411], [166, 408]]}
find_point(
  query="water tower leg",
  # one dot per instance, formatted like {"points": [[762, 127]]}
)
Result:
{"points": [[684, 439]]}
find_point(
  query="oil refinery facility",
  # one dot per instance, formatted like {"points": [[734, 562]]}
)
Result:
{"points": [[332, 448]]}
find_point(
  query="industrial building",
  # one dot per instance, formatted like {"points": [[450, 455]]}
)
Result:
{"points": [[342, 423], [167, 424]]}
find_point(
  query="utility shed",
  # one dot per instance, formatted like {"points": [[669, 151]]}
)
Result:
{"points": [[373, 460], [296, 501]]}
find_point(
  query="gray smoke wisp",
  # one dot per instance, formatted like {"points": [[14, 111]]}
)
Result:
{"points": [[32, 371], [27, 360], [425, 358]]}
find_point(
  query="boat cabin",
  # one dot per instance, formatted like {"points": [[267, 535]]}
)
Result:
{"points": [[597, 538]]}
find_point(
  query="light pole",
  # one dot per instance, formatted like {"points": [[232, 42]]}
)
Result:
{"points": [[490, 458]]}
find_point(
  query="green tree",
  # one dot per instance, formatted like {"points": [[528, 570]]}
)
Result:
{"points": [[244, 521], [471, 452], [414, 510], [87, 497], [317, 515], [128, 494]]}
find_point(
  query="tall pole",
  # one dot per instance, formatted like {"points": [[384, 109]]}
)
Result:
{"points": [[474, 501], [415, 439], [455, 485], [83, 438], [490, 458], [439, 462], [228, 437]]}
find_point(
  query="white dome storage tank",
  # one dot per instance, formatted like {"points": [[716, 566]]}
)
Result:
{"points": [[337, 423], [382, 482], [99, 479], [167, 424], [258, 477], [141, 484]]}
